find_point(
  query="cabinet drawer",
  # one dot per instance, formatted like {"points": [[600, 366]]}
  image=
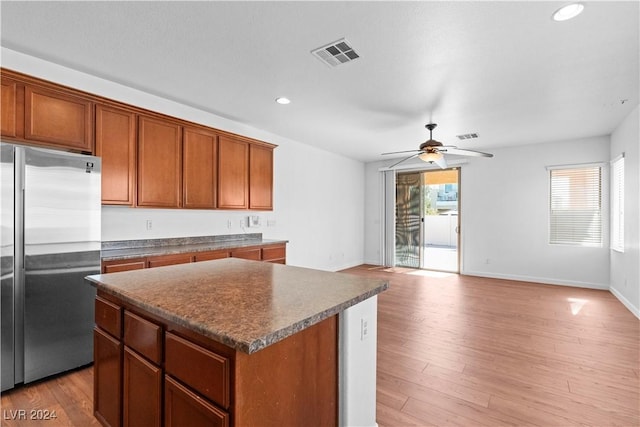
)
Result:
{"points": [[159, 261], [252, 254], [205, 371], [124, 265], [143, 336], [108, 317], [185, 408], [208, 256], [274, 253]]}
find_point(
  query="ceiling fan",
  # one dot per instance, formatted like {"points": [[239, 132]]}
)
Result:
{"points": [[433, 151]]}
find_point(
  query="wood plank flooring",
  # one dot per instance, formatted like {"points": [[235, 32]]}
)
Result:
{"points": [[62, 401], [465, 351], [462, 351]]}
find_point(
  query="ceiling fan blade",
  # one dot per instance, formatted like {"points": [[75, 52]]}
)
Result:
{"points": [[403, 160], [400, 152], [462, 152], [441, 162]]}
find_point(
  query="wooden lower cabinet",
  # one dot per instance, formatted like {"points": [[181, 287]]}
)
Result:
{"points": [[275, 253], [142, 391], [185, 408], [107, 378], [210, 256], [123, 265], [254, 254], [200, 382], [161, 260]]}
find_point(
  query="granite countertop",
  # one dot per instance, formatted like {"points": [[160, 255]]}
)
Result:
{"points": [[127, 249], [246, 305]]}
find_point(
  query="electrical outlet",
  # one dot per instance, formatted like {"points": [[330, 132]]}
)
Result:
{"points": [[149, 225], [364, 328]]}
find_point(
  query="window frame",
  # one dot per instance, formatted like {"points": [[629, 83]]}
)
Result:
{"points": [[556, 238], [617, 204]]}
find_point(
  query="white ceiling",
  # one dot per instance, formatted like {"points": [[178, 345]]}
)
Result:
{"points": [[502, 69]]}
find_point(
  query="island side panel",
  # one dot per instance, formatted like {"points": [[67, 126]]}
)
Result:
{"points": [[292, 382], [358, 351]]}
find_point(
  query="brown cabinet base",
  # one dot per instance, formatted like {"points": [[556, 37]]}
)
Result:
{"points": [[207, 383], [276, 253]]}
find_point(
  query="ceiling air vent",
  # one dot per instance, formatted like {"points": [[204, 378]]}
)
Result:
{"points": [[336, 53], [467, 136]]}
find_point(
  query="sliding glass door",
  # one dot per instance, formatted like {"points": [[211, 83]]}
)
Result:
{"points": [[408, 217], [427, 220]]}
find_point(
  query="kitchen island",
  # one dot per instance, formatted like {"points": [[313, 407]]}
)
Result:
{"points": [[233, 342]]}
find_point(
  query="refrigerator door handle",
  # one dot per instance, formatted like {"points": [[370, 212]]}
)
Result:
{"points": [[18, 268]]}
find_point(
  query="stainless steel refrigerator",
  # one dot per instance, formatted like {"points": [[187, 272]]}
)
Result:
{"points": [[49, 241]]}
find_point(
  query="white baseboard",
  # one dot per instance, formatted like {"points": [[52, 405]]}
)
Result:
{"points": [[542, 280], [632, 308]]}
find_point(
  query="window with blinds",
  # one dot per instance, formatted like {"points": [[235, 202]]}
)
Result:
{"points": [[617, 204], [576, 206]]}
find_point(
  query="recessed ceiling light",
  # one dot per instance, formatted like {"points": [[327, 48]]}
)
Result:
{"points": [[568, 12], [282, 100]]}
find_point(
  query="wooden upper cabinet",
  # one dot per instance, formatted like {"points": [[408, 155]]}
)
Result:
{"points": [[199, 169], [260, 177], [159, 163], [58, 118], [116, 145], [233, 173], [9, 108]]}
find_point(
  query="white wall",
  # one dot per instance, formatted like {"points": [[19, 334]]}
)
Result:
{"points": [[625, 267], [318, 201], [373, 213], [505, 220], [504, 216]]}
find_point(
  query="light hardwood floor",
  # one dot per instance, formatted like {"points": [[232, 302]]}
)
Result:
{"points": [[463, 351], [466, 351]]}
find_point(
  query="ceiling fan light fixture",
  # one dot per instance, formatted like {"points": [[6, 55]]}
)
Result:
{"points": [[567, 12], [430, 156]]}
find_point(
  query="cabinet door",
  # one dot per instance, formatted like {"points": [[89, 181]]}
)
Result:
{"points": [[200, 169], [183, 407], [9, 108], [275, 254], [233, 173], [107, 378], [142, 391], [260, 177], [116, 145], [58, 118], [159, 163]]}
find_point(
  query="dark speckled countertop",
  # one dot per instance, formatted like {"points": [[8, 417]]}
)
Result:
{"points": [[127, 249], [246, 305]]}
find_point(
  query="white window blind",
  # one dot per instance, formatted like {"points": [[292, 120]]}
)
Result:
{"points": [[617, 204], [576, 206]]}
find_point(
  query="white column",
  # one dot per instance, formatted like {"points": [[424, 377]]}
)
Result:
{"points": [[358, 345]]}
